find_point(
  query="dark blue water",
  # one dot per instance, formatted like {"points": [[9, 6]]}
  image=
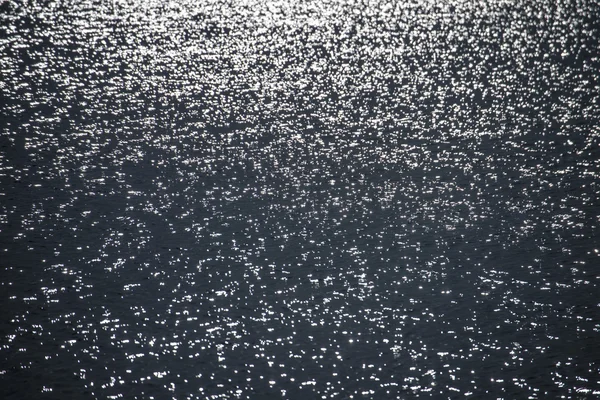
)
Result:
{"points": [[299, 200]]}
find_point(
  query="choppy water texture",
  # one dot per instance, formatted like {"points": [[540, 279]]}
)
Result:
{"points": [[301, 200]]}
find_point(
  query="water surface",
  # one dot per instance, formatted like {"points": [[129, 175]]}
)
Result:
{"points": [[315, 199]]}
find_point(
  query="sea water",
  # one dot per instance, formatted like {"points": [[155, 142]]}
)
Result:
{"points": [[299, 199]]}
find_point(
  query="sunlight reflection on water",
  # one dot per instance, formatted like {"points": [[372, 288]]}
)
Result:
{"points": [[324, 199]]}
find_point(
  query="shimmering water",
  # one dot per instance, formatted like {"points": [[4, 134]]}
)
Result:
{"points": [[299, 199]]}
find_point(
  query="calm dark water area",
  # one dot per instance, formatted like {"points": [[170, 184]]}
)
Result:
{"points": [[299, 199]]}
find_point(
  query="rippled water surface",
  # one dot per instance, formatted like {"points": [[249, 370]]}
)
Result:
{"points": [[299, 199]]}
